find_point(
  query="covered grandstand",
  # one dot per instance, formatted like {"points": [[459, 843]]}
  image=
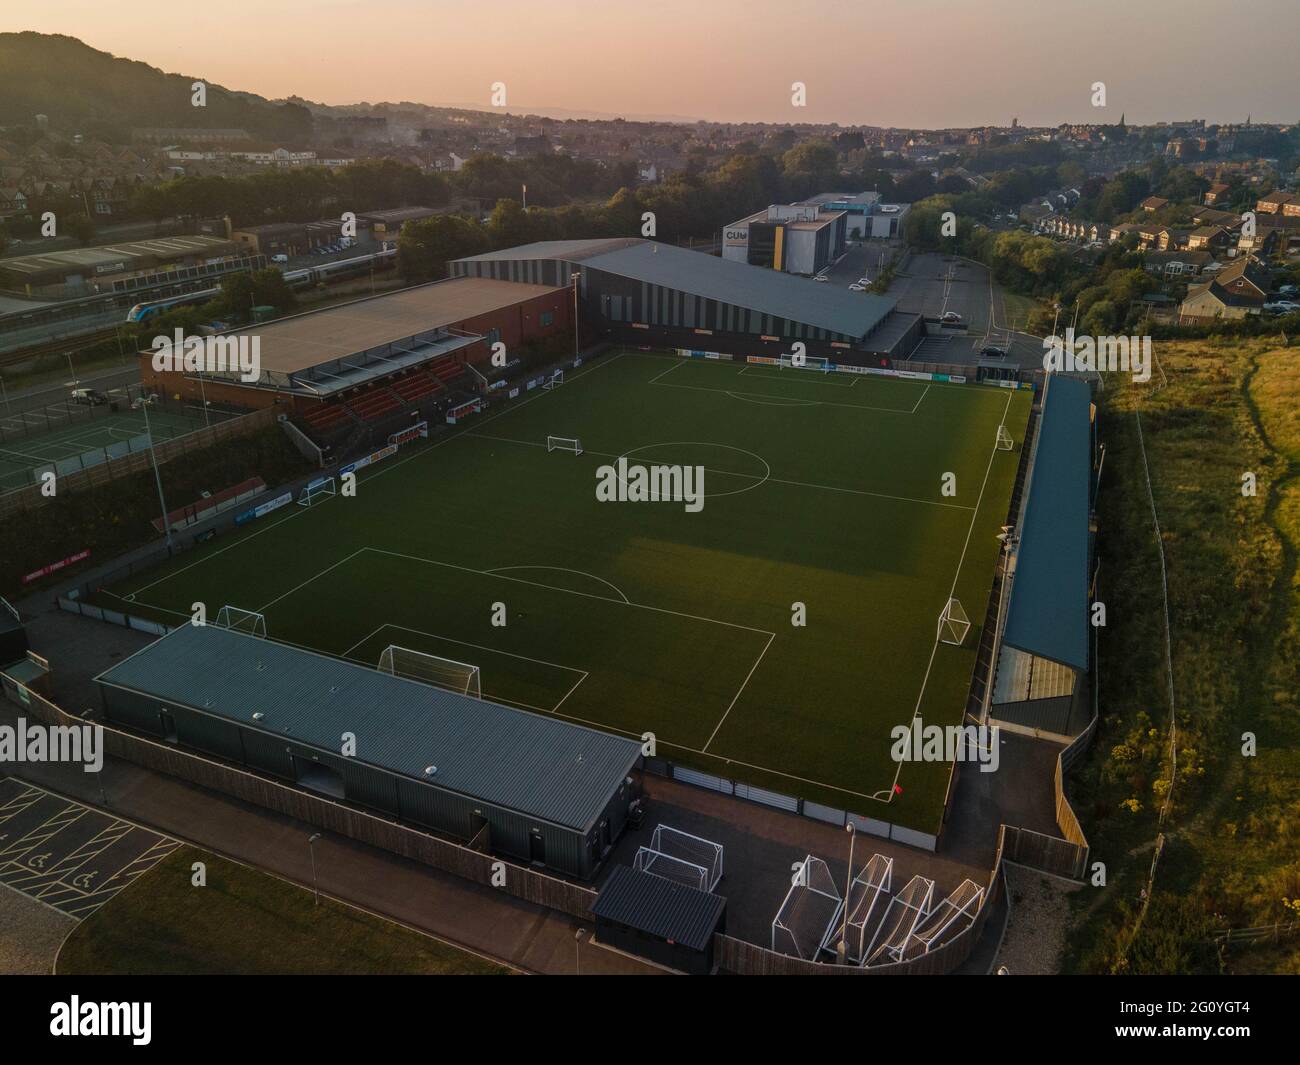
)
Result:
{"points": [[381, 361]]}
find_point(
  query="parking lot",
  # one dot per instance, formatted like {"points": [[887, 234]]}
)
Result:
{"points": [[67, 855]]}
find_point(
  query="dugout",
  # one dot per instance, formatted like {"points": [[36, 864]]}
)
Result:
{"points": [[552, 793], [659, 919]]}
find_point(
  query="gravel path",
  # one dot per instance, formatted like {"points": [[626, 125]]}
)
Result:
{"points": [[1040, 916], [32, 936]]}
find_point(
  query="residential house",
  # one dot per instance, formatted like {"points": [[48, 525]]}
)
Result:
{"points": [[1154, 203], [13, 203]]}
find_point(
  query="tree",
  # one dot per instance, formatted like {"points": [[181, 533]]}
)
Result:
{"points": [[82, 228], [424, 247]]}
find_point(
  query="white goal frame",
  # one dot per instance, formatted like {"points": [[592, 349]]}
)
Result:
{"points": [[810, 362], [867, 902], [564, 443], [954, 625], [322, 486], [682, 849], [463, 678], [1004, 441], [554, 381], [237, 619], [808, 912], [647, 860]]}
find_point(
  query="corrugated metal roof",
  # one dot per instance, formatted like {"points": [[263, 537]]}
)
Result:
{"points": [[659, 907], [547, 768], [756, 288], [1048, 616]]}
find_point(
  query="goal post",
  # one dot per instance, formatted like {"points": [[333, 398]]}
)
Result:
{"points": [[953, 623], [239, 620], [564, 443], [805, 362], [554, 381], [1005, 443], [317, 489], [463, 678]]}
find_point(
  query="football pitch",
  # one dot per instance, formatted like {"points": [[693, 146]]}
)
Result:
{"points": [[774, 636]]}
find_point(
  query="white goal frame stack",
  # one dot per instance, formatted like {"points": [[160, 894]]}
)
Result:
{"points": [[681, 856], [954, 625], [463, 678], [554, 381], [867, 902], [238, 619], [808, 913], [1004, 441], [564, 443], [322, 486]]}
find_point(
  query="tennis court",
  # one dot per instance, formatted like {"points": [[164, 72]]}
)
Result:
{"points": [[32, 441]]}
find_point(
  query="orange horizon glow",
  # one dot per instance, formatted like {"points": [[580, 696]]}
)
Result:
{"points": [[907, 63]]}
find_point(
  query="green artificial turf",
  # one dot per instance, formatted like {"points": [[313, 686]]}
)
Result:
{"points": [[820, 489]]}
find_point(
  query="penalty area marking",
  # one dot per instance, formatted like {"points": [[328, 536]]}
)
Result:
{"points": [[565, 569], [583, 674]]}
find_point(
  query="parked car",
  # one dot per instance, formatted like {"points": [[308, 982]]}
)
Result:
{"points": [[992, 352], [864, 281], [1282, 307], [855, 287], [950, 318], [821, 277], [88, 396]]}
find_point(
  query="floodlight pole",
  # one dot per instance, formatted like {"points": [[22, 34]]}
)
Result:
{"points": [[153, 458], [315, 888], [842, 948], [575, 277], [577, 951]]}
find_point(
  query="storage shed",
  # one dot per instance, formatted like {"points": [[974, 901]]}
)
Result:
{"points": [[659, 919], [553, 793]]}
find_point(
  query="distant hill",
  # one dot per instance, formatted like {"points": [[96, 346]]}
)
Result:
{"points": [[87, 91]]}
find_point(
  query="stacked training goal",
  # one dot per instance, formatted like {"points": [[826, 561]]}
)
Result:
{"points": [[554, 381], [680, 856], [446, 673]]}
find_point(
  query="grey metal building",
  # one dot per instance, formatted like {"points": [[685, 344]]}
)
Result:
{"points": [[641, 292], [552, 793]]}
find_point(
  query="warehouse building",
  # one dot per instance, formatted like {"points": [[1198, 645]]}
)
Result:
{"points": [[799, 238], [640, 292], [549, 792], [121, 267]]}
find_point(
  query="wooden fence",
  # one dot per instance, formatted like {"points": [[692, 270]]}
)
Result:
{"points": [[519, 882], [113, 469]]}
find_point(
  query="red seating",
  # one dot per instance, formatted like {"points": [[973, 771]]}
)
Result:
{"points": [[447, 368], [325, 416], [373, 403], [416, 386]]}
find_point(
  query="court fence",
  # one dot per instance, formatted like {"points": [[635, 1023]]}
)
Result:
{"points": [[114, 465]]}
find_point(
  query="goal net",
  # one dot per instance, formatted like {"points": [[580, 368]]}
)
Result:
{"points": [[953, 623], [556, 379], [866, 904], [804, 362], [1005, 443], [434, 670], [564, 443], [808, 912], [671, 851], [317, 489], [240, 620]]}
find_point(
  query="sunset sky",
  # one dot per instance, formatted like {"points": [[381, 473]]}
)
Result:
{"points": [[921, 63]]}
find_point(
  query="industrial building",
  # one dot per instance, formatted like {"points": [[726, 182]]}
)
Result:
{"points": [[549, 792], [122, 267], [640, 292], [378, 361], [799, 238]]}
